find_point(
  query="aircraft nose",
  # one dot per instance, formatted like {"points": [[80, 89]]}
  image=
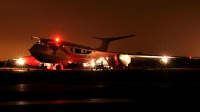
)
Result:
{"points": [[32, 50]]}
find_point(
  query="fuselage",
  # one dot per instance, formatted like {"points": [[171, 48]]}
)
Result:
{"points": [[62, 53], [51, 51]]}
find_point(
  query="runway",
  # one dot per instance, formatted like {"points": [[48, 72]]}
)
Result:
{"points": [[122, 90], [137, 75]]}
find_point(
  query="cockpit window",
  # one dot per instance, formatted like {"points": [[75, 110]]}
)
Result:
{"points": [[39, 42]]}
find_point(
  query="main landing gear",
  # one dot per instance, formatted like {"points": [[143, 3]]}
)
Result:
{"points": [[55, 66]]}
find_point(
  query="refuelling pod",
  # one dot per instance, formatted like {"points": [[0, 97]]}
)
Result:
{"points": [[123, 59]]}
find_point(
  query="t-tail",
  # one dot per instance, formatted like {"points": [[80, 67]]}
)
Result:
{"points": [[106, 41]]}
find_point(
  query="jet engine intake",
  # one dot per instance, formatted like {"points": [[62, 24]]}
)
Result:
{"points": [[123, 58]]}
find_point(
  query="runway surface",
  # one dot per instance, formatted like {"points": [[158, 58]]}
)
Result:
{"points": [[110, 90]]}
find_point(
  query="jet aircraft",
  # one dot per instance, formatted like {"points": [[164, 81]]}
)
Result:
{"points": [[58, 52]]}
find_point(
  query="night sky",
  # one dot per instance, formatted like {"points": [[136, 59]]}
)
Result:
{"points": [[169, 27]]}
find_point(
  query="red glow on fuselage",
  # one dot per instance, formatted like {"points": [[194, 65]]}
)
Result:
{"points": [[30, 60]]}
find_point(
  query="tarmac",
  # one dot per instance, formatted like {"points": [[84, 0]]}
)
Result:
{"points": [[112, 90]]}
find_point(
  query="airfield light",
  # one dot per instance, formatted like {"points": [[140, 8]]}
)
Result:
{"points": [[85, 64], [164, 59], [101, 59], [20, 61], [98, 61], [92, 63]]}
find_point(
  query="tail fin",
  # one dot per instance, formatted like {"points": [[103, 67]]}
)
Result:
{"points": [[106, 41]]}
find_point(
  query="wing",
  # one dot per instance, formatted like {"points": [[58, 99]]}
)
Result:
{"points": [[164, 59], [126, 58]]}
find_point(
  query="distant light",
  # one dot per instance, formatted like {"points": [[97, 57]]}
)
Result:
{"points": [[190, 57], [164, 59]]}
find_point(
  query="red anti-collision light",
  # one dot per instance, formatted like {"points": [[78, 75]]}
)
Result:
{"points": [[57, 39]]}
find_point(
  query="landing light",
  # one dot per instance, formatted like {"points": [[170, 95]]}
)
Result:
{"points": [[20, 61]]}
